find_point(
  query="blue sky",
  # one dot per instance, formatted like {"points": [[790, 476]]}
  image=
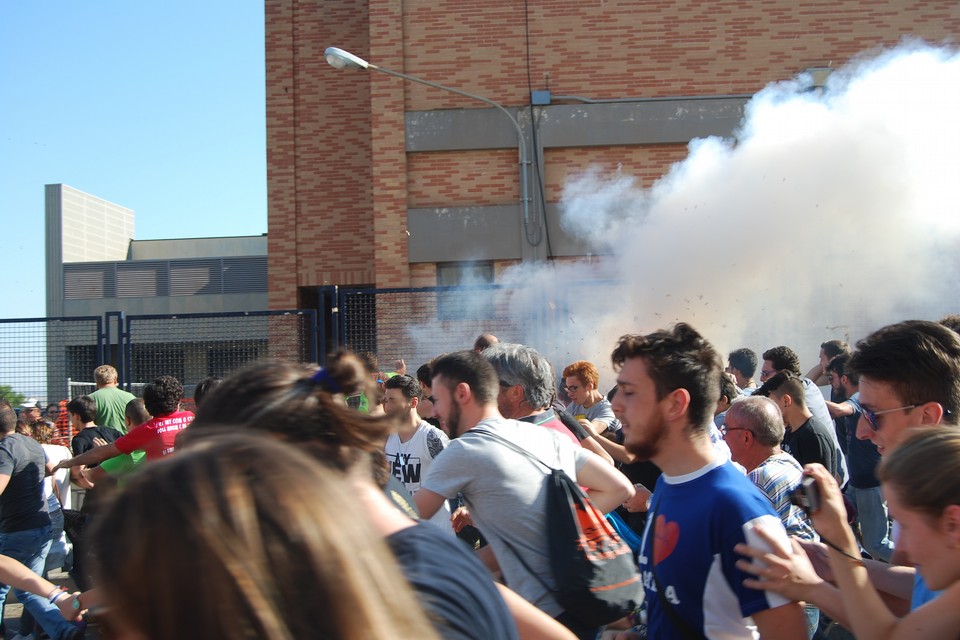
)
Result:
{"points": [[156, 106]]}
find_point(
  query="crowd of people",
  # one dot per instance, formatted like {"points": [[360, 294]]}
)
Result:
{"points": [[350, 502]]}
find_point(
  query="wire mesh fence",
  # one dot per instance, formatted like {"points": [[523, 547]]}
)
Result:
{"points": [[196, 346], [50, 360], [38, 356]]}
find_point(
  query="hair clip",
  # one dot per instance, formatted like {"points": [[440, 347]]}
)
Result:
{"points": [[325, 380]]}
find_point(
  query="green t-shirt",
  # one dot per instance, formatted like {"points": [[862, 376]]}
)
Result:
{"points": [[111, 406], [121, 466]]}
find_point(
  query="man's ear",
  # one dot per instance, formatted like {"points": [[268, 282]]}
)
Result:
{"points": [[462, 393], [932, 413], [414, 402], [678, 401]]}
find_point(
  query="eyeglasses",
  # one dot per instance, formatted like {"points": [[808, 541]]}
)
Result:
{"points": [[724, 430], [871, 416], [767, 373]]}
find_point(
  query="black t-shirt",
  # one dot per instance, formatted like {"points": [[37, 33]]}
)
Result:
{"points": [[453, 585], [811, 442], [21, 504], [83, 441]]}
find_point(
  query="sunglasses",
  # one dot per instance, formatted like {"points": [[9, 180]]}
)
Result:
{"points": [[871, 416]]}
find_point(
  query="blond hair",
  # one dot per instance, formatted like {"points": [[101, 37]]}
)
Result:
{"points": [[925, 469], [104, 374]]}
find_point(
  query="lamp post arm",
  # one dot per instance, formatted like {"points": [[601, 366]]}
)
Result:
{"points": [[521, 144], [443, 87]]}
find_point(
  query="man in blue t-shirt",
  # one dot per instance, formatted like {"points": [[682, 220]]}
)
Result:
{"points": [[703, 505]]}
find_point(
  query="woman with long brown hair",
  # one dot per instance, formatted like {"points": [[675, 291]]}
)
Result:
{"points": [[241, 536]]}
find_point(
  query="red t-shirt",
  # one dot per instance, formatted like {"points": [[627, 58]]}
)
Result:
{"points": [[155, 437]]}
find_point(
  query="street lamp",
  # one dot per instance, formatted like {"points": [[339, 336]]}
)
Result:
{"points": [[340, 59]]}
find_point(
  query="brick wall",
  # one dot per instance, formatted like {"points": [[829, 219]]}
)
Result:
{"points": [[624, 48], [646, 163], [319, 176], [463, 178], [340, 181]]}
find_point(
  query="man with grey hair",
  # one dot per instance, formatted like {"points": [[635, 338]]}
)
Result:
{"points": [[526, 386], [526, 390], [753, 430]]}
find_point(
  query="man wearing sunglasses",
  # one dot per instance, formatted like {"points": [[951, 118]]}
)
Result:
{"points": [[909, 377]]}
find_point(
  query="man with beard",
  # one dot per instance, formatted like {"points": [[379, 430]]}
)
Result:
{"points": [[412, 449], [702, 506], [502, 487]]}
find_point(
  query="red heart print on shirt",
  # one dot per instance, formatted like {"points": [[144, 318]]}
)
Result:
{"points": [[665, 539]]}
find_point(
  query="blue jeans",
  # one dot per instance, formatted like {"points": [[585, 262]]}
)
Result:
{"points": [[872, 514], [813, 619], [58, 555], [30, 547]]}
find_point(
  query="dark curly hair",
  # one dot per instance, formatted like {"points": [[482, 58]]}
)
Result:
{"points": [[162, 396], [783, 359]]}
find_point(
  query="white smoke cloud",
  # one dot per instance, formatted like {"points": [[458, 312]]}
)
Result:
{"points": [[828, 215]]}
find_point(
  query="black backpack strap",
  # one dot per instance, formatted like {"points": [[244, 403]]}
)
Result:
{"points": [[534, 459], [511, 445], [518, 556]]}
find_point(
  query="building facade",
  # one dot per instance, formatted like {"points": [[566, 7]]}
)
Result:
{"points": [[159, 306], [381, 182]]}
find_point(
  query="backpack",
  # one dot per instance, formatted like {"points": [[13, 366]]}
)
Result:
{"points": [[596, 578]]}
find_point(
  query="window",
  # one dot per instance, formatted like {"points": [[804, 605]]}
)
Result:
{"points": [[475, 300]]}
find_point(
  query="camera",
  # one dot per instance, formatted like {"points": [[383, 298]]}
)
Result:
{"points": [[806, 495]]}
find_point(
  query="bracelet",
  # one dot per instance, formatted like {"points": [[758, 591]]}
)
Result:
{"points": [[56, 594]]}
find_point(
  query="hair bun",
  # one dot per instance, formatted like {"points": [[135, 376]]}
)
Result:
{"points": [[345, 373]]}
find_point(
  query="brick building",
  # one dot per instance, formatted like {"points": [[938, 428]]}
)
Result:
{"points": [[378, 181]]}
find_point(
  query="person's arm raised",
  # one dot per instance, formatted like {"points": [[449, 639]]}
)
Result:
{"points": [[606, 486]]}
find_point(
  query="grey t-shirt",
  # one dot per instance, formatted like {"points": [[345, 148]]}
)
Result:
{"points": [[601, 411], [504, 492], [22, 506]]}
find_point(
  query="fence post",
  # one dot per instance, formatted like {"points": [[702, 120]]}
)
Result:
{"points": [[125, 352], [312, 329], [341, 317]]}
